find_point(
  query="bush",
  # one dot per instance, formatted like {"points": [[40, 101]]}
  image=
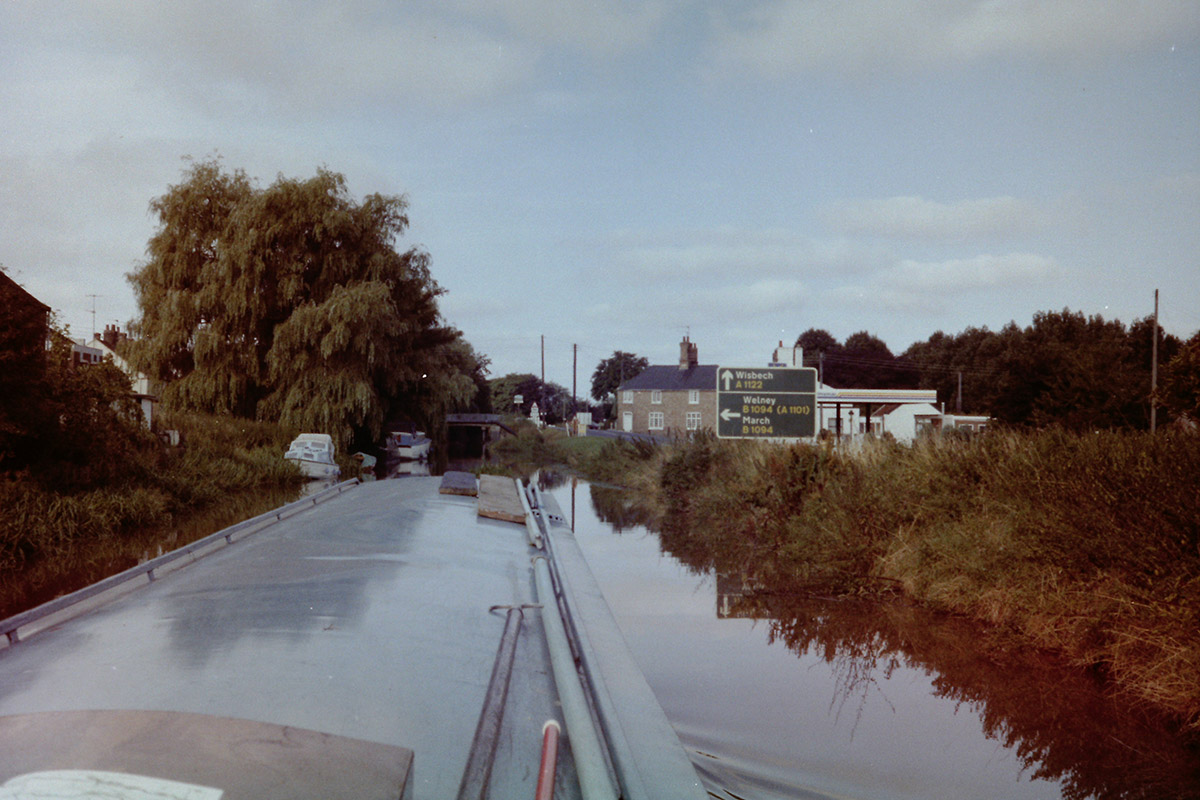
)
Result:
{"points": [[55, 539]]}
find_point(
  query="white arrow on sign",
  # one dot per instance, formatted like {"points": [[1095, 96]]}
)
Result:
{"points": [[727, 376], [727, 415]]}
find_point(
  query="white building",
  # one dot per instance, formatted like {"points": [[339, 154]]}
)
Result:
{"points": [[905, 414], [143, 389]]}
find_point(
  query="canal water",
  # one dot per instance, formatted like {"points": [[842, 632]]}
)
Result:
{"points": [[802, 697]]}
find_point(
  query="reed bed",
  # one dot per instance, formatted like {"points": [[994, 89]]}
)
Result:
{"points": [[1088, 545], [56, 539]]}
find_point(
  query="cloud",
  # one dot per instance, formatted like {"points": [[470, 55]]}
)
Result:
{"points": [[737, 251], [599, 27], [298, 56], [970, 274], [780, 37], [916, 217], [933, 288], [1184, 186], [752, 298], [869, 300], [308, 56]]}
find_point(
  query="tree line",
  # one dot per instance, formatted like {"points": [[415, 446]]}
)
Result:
{"points": [[1064, 369]]}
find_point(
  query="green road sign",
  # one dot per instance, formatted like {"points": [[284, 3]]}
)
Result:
{"points": [[766, 403]]}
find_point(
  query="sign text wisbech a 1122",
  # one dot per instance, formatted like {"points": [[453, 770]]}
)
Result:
{"points": [[766, 403]]}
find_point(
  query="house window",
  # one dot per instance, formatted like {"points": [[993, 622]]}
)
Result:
{"points": [[656, 396], [656, 420], [627, 396], [693, 397], [693, 420]]}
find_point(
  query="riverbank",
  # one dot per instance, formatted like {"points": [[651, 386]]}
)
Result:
{"points": [[1088, 546], [54, 541], [1084, 545]]}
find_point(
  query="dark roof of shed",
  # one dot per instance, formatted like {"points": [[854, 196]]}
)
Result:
{"points": [[673, 379]]}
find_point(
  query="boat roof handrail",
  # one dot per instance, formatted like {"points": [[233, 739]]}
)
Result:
{"points": [[10, 626]]}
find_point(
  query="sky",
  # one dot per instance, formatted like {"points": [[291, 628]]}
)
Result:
{"points": [[608, 175]]}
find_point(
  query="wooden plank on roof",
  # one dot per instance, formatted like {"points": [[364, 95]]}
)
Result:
{"points": [[458, 483], [498, 499]]}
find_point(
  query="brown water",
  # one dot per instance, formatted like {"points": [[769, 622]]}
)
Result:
{"points": [[781, 696]]}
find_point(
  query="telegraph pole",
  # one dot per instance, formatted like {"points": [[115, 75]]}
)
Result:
{"points": [[543, 359], [574, 374]]}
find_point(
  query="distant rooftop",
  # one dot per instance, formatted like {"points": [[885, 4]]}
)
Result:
{"points": [[673, 379]]}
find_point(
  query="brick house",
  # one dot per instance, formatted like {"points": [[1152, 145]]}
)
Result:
{"points": [[26, 320], [24, 332], [670, 400]]}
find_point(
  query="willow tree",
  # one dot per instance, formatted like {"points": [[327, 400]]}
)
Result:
{"points": [[291, 303]]}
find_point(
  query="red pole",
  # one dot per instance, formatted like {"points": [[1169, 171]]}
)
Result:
{"points": [[545, 784]]}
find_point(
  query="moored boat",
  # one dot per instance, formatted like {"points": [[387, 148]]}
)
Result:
{"points": [[366, 460], [313, 453], [408, 446]]}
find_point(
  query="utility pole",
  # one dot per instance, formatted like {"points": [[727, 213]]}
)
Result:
{"points": [[574, 374], [1154, 368], [543, 359]]}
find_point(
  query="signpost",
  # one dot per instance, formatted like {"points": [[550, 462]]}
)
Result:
{"points": [[766, 403]]}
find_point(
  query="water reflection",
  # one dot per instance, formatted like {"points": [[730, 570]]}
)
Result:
{"points": [[399, 469], [1058, 720], [210, 623], [617, 507], [290, 588]]}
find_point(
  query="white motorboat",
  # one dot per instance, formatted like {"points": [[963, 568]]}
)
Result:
{"points": [[408, 446], [313, 453]]}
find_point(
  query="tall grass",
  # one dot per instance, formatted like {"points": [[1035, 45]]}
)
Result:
{"points": [[1085, 544], [54, 541]]}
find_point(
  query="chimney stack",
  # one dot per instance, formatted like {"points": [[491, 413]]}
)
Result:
{"points": [[688, 354], [112, 335]]}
